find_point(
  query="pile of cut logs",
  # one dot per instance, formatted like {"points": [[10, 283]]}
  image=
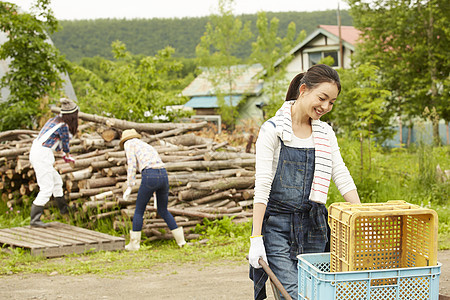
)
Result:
{"points": [[207, 179]]}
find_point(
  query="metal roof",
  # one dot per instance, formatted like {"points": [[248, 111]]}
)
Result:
{"points": [[348, 33], [211, 101], [247, 82]]}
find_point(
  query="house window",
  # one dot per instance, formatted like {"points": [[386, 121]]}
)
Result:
{"points": [[334, 55], [315, 57]]}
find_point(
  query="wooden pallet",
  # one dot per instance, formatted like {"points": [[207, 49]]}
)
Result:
{"points": [[59, 239]]}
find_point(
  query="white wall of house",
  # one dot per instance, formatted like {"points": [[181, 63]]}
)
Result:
{"points": [[347, 58], [295, 66]]}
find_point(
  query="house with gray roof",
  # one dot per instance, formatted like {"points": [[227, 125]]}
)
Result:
{"points": [[246, 89]]}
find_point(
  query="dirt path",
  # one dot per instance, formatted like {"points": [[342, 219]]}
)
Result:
{"points": [[187, 281], [223, 280], [444, 279]]}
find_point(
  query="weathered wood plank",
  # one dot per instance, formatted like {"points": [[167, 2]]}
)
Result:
{"points": [[59, 239], [58, 251], [58, 233], [44, 234], [91, 232], [7, 238], [21, 236], [68, 232]]}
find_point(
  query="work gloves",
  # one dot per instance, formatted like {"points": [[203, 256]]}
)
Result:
{"points": [[127, 193], [68, 158], [257, 250]]}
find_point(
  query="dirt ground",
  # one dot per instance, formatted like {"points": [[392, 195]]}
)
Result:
{"points": [[222, 280]]}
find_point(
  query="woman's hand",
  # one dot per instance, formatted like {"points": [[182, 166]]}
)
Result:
{"points": [[257, 250], [127, 193]]}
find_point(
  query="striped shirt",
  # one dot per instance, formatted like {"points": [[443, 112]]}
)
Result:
{"points": [[329, 163], [59, 138], [140, 155]]}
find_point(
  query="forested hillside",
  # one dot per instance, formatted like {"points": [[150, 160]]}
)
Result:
{"points": [[89, 38]]}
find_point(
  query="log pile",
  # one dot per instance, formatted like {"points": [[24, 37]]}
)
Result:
{"points": [[207, 179]]}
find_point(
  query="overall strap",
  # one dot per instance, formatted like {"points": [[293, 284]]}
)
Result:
{"points": [[47, 134]]}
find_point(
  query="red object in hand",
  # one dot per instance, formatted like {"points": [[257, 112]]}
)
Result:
{"points": [[68, 158]]}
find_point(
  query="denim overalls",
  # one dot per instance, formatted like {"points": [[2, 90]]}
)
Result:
{"points": [[293, 224]]}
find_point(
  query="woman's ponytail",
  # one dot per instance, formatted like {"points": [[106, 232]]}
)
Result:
{"points": [[293, 91]]}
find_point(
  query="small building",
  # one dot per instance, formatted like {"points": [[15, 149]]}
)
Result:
{"points": [[246, 89], [323, 42]]}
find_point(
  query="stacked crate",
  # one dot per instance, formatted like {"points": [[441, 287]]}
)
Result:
{"points": [[373, 236], [377, 251]]}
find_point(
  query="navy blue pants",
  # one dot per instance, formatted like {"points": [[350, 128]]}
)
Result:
{"points": [[153, 180]]}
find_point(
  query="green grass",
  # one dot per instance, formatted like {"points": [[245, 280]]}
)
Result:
{"points": [[226, 241], [117, 262]]}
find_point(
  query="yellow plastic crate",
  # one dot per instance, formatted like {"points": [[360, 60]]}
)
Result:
{"points": [[373, 236]]}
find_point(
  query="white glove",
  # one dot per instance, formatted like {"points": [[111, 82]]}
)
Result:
{"points": [[257, 250], [127, 193]]}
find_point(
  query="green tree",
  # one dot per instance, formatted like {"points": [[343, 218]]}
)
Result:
{"points": [[216, 51], [360, 109], [408, 41], [35, 65], [130, 88], [272, 52]]}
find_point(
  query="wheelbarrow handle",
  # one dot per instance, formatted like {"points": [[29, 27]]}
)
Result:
{"points": [[274, 279]]}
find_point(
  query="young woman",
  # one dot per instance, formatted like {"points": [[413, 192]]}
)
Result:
{"points": [[55, 135], [296, 156], [154, 180]]}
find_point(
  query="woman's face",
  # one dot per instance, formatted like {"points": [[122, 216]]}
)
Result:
{"points": [[318, 101]]}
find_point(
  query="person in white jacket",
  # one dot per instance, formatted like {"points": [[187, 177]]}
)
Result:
{"points": [[54, 135], [296, 156]]}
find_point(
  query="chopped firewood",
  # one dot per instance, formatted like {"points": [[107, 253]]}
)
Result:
{"points": [[207, 179]]}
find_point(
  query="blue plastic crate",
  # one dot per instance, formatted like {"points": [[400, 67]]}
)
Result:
{"points": [[316, 282]]}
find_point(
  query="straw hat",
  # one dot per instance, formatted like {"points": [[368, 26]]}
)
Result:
{"points": [[68, 106], [128, 134]]}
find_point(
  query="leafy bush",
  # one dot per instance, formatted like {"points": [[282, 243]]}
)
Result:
{"points": [[130, 87]]}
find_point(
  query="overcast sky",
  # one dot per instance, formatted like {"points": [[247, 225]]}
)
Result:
{"points": [[130, 9]]}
